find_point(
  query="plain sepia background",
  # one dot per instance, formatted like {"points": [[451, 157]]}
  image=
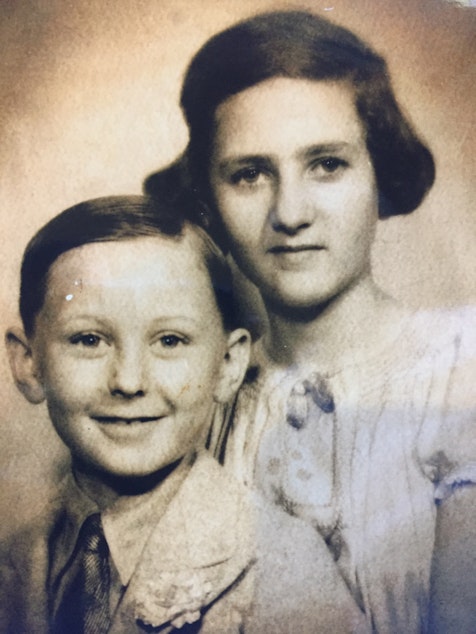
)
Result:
{"points": [[89, 95]]}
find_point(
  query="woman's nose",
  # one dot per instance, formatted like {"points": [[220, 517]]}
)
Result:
{"points": [[128, 374], [292, 210]]}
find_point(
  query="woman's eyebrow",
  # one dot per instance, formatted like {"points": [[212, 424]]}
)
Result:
{"points": [[233, 162], [321, 149]]}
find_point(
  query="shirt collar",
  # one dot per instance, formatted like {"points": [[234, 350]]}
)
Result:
{"points": [[200, 546], [129, 521]]}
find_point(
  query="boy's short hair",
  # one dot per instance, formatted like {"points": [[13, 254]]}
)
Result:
{"points": [[110, 219]]}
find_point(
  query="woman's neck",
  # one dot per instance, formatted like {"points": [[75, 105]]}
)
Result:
{"points": [[338, 333]]}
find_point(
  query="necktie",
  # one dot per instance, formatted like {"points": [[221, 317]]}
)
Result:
{"points": [[84, 608]]}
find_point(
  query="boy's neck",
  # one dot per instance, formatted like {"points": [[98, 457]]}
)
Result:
{"points": [[105, 489]]}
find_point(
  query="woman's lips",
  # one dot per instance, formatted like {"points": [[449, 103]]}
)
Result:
{"points": [[279, 249], [295, 257]]}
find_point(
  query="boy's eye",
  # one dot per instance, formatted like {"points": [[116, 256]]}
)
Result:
{"points": [[171, 341], [87, 340]]}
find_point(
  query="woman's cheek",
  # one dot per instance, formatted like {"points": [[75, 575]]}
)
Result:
{"points": [[245, 215]]}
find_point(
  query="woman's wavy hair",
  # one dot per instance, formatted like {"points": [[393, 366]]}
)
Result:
{"points": [[297, 44]]}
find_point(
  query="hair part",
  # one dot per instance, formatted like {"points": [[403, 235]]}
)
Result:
{"points": [[111, 219], [299, 45]]}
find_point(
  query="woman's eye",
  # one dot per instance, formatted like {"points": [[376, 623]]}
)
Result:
{"points": [[249, 175], [87, 340], [328, 165]]}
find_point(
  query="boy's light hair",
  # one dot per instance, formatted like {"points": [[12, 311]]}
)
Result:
{"points": [[111, 219]]}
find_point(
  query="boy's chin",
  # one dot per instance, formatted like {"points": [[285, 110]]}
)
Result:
{"points": [[120, 482]]}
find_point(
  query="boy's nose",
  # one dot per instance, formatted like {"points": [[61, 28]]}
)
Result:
{"points": [[127, 374]]}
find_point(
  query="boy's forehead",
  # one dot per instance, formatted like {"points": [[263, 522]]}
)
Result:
{"points": [[151, 259]]}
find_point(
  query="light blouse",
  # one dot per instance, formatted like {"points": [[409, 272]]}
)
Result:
{"points": [[365, 454]]}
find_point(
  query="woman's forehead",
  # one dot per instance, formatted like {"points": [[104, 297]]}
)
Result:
{"points": [[287, 111]]}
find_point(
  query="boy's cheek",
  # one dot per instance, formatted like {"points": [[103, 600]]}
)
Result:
{"points": [[65, 389], [38, 366], [45, 356], [57, 365]]}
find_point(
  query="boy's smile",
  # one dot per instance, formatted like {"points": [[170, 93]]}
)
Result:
{"points": [[131, 353]]}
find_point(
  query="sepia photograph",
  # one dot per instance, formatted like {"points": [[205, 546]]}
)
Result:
{"points": [[238, 303]]}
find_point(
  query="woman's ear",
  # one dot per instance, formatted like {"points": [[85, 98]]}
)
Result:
{"points": [[234, 365], [23, 366]]}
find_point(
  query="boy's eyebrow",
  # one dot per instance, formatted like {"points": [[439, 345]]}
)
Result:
{"points": [[164, 321], [72, 319]]}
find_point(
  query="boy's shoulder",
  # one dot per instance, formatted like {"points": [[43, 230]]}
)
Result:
{"points": [[24, 568], [27, 554], [39, 525], [222, 553]]}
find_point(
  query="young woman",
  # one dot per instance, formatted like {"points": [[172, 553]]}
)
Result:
{"points": [[356, 415]]}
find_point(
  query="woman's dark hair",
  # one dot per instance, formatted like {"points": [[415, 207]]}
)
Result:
{"points": [[298, 44], [110, 219]]}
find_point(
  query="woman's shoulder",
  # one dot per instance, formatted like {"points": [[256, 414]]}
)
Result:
{"points": [[439, 328], [445, 342], [460, 328], [447, 441], [433, 342]]}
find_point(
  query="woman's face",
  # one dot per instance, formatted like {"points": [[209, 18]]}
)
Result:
{"points": [[295, 187]]}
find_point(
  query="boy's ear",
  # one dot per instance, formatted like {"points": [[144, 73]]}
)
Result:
{"points": [[234, 365], [23, 366]]}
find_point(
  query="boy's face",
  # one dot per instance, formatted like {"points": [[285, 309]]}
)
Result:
{"points": [[131, 354]]}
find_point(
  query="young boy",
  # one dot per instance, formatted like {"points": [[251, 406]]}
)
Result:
{"points": [[129, 335]]}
